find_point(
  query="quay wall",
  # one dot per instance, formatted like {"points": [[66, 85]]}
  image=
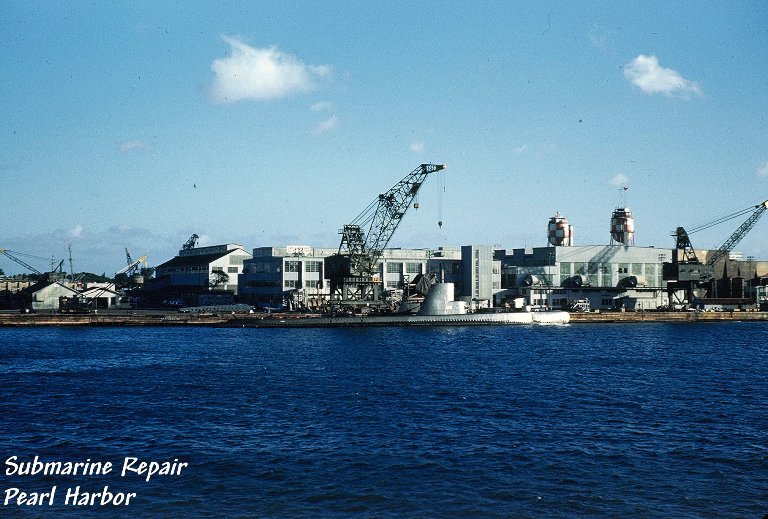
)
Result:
{"points": [[289, 320], [666, 317]]}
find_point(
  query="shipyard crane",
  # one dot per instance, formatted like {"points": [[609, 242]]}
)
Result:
{"points": [[352, 271], [686, 271], [131, 268], [13, 256], [74, 302], [130, 276], [191, 243]]}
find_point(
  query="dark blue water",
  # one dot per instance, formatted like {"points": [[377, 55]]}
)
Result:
{"points": [[651, 420]]}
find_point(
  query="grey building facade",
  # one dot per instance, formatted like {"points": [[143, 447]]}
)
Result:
{"points": [[607, 276]]}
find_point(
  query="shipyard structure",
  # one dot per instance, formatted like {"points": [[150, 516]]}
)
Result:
{"points": [[558, 275], [365, 275]]}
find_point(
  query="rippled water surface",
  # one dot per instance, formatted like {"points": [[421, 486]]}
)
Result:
{"points": [[650, 420]]}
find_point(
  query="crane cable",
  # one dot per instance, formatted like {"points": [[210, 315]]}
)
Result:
{"points": [[440, 192], [721, 219]]}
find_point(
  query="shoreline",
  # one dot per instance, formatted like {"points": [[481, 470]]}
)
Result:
{"points": [[318, 321]]}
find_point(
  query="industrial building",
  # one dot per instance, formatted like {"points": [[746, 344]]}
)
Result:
{"points": [[362, 273], [45, 295], [622, 276], [296, 276], [199, 271], [481, 273], [562, 274], [605, 276]]}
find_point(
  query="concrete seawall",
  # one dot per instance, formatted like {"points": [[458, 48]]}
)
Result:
{"points": [[294, 320], [666, 317]]}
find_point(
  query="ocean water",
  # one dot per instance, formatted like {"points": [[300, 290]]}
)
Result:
{"points": [[647, 420]]}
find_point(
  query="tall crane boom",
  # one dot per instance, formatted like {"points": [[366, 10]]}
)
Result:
{"points": [[352, 272], [686, 272], [381, 217], [20, 261], [738, 234], [47, 276]]}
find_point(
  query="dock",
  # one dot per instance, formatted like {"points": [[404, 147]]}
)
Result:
{"points": [[279, 320]]}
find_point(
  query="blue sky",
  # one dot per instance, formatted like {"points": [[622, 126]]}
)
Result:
{"points": [[136, 124]]}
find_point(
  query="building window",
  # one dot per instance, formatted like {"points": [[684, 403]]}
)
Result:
{"points": [[232, 270], [292, 266], [393, 268], [310, 283], [592, 271], [260, 268], [313, 266], [650, 274], [565, 269], [393, 284], [291, 283], [413, 268]]}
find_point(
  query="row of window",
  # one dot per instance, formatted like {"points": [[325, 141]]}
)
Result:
{"points": [[410, 267], [309, 266], [584, 268], [197, 270], [296, 283]]}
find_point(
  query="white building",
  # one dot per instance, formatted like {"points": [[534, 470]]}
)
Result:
{"points": [[608, 276], [203, 268], [44, 295], [295, 275]]}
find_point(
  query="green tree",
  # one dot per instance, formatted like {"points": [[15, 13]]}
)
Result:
{"points": [[219, 278]]}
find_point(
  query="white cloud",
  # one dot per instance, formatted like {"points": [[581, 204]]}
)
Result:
{"points": [[762, 171], [417, 147], [130, 146], [321, 106], [646, 73], [261, 74], [76, 231], [598, 37], [327, 125], [619, 180]]}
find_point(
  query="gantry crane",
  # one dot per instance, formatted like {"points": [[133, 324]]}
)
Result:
{"points": [[687, 272], [353, 270]]}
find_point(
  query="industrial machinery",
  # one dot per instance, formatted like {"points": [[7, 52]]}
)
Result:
{"points": [[131, 275], [191, 243], [687, 272], [353, 271], [74, 303]]}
